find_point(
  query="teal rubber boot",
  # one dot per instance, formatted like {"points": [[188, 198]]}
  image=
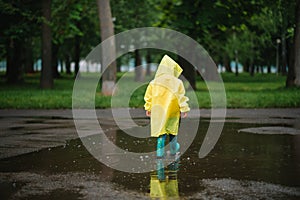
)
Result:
{"points": [[174, 146], [160, 148]]}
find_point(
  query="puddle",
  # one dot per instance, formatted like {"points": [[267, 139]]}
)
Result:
{"points": [[16, 128], [241, 166], [282, 117], [34, 121], [272, 130]]}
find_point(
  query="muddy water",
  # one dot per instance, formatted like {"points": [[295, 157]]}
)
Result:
{"points": [[241, 166]]}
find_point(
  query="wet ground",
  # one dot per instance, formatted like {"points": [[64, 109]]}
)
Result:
{"points": [[256, 157]]}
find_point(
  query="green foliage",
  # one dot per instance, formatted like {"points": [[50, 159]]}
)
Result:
{"points": [[74, 18], [222, 27], [129, 14], [19, 20], [250, 27]]}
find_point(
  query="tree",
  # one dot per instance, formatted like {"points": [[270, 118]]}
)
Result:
{"points": [[75, 30], [14, 72], [139, 77], [46, 81], [211, 30], [18, 24], [107, 30], [297, 46], [127, 16], [175, 16]]}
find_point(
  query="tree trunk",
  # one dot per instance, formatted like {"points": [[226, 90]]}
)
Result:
{"points": [[297, 45], [139, 74], [227, 65], [252, 68], [291, 71], [107, 30], [54, 60], [14, 72], [46, 81], [188, 72], [283, 55], [77, 55], [236, 63], [246, 66], [68, 64], [277, 58], [61, 64], [119, 64], [148, 60], [28, 58], [269, 69]]}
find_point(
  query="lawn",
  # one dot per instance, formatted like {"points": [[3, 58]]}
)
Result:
{"points": [[243, 91], [260, 91]]}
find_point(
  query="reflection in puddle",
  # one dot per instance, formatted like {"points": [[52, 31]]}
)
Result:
{"points": [[164, 182], [241, 166]]}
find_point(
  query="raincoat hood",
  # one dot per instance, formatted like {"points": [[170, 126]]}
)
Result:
{"points": [[168, 66]]}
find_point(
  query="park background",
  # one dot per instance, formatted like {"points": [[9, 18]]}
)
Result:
{"points": [[43, 44], [255, 45]]}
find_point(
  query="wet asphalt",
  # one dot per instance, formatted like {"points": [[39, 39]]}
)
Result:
{"points": [[41, 157]]}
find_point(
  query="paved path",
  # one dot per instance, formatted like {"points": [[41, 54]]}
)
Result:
{"points": [[25, 131], [101, 113]]}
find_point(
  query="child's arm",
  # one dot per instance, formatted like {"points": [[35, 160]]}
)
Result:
{"points": [[148, 113], [148, 100], [184, 106], [183, 114]]}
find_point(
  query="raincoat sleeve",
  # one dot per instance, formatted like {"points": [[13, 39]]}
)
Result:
{"points": [[184, 107], [148, 98]]}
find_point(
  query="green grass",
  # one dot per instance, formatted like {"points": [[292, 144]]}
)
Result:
{"points": [[260, 91], [243, 91]]}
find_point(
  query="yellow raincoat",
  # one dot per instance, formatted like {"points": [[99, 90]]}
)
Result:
{"points": [[165, 98]]}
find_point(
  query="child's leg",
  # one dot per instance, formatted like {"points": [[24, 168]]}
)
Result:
{"points": [[174, 145], [160, 169], [160, 148]]}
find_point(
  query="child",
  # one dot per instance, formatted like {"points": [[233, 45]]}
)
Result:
{"points": [[165, 102]]}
